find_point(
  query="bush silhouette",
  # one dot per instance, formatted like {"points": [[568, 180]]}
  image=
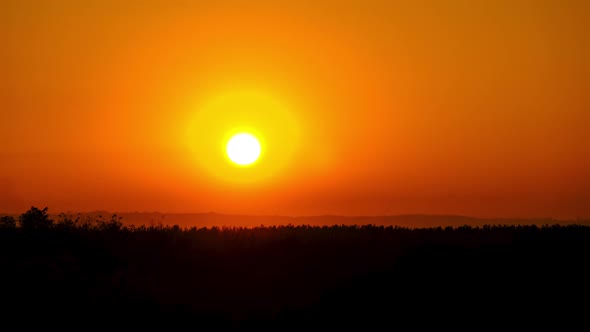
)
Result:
{"points": [[7, 222], [112, 225], [67, 222], [35, 218]]}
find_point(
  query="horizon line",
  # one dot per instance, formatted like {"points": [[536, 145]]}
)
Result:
{"points": [[326, 215]]}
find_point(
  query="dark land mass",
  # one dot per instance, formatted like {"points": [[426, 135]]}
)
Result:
{"points": [[295, 276], [212, 219], [406, 220]]}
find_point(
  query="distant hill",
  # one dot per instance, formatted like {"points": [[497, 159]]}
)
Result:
{"points": [[212, 219], [227, 220]]}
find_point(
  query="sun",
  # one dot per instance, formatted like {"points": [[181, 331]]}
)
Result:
{"points": [[242, 137], [243, 149]]}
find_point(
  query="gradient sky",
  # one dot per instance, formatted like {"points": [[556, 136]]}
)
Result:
{"points": [[479, 108]]}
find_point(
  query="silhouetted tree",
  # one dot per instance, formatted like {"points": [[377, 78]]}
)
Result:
{"points": [[68, 222], [7, 222], [35, 218], [112, 225]]}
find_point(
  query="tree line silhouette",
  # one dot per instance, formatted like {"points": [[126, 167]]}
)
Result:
{"points": [[39, 219], [295, 274]]}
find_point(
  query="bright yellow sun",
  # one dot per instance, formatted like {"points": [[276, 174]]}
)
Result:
{"points": [[243, 149], [242, 137]]}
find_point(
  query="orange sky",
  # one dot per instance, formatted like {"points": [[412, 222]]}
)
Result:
{"points": [[366, 107]]}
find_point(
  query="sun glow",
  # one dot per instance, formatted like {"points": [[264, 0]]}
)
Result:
{"points": [[231, 134], [243, 149]]}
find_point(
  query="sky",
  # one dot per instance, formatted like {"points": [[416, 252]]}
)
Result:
{"points": [[477, 108]]}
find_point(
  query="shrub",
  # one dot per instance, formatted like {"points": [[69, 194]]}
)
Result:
{"points": [[35, 218], [7, 222]]}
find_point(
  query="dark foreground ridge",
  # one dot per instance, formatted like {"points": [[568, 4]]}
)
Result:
{"points": [[293, 275]]}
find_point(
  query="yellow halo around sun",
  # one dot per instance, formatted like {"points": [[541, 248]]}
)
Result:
{"points": [[243, 149], [242, 137]]}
